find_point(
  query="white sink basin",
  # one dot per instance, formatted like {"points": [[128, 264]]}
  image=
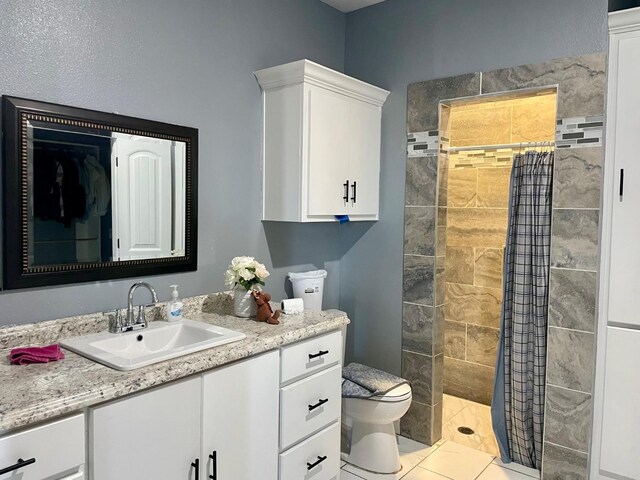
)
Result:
{"points": [[158, 342]]}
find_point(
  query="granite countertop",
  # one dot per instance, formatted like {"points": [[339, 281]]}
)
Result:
{"points": [[35, 393]]}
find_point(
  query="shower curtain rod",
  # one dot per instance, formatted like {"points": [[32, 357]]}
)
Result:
{"points": [[504, 145]]}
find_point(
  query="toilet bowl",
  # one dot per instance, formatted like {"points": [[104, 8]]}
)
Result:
{"points": [[373, 438]]}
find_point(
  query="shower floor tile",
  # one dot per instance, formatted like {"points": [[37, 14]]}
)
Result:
{"points": [[458, 412]]}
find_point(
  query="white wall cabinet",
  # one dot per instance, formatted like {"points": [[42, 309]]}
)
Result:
{"points": [[321, 145], [223, 423], [615, 448], [54, 451]]}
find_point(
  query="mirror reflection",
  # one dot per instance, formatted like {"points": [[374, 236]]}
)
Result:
{"points": [[99, 196]]}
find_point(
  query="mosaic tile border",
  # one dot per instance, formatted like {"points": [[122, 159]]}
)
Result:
{"points": [[580, 132], [422, 144]]}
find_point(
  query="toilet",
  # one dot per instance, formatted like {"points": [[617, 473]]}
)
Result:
{"points": [[373, 438]]}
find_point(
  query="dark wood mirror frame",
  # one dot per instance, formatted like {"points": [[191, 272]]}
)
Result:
{"points": [[16, 113]]}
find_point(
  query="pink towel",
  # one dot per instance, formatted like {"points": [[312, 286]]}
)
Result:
{"points": [[26, 355]]}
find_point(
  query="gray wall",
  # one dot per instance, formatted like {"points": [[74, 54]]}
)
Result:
{"points": [[189, 63], [399, 42]]}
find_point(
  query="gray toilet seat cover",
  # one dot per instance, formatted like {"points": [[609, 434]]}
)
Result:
{"points": [[360, 381]]}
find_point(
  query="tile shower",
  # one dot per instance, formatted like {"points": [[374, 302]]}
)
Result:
{"points": [[429, 348]]}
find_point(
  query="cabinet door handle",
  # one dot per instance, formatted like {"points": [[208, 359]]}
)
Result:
{"points": [[621, 182], [214, 465], [319, 354], [196, 466], [321, 402], [316, 463], [353, 195], [19, 464], [345, 197]]}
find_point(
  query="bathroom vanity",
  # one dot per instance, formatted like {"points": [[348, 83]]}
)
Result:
{"points": [[265, 407]]}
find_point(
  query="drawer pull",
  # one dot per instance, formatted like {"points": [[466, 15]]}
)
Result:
{"points": [[316, 463], [19, 464], [319, 354], [214, 465], [321, 402], [196, 468]]}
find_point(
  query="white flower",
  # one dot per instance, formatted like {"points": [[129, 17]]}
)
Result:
{"points": [[261, 271], [246, 274], [242, 262]]}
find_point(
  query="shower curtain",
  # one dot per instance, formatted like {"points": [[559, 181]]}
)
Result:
{"points": [[517, 409]]}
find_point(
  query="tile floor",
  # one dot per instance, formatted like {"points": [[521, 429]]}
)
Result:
{"points": [[458, 412], [446, 460]]}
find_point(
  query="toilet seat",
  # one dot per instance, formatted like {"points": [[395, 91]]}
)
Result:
{"points": [[397, 394]]}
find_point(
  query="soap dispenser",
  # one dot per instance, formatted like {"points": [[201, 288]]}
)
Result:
{"points": [[174, 309]]}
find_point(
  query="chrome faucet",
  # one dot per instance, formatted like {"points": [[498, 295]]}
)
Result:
{"points": [[131, 323]]}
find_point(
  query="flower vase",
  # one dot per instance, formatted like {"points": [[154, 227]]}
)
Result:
{"points": [[244, 305]]}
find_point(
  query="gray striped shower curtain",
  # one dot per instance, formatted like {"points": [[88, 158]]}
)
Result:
{"points": [[517, 408]]}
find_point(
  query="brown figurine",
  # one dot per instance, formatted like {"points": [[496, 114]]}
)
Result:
{"points": [[265, 313]]}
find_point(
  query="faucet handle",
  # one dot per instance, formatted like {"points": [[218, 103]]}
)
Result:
{"points": [[115, 321]]}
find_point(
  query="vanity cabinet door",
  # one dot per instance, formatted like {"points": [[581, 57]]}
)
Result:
{"points": [[240, 420], [155, 434]]}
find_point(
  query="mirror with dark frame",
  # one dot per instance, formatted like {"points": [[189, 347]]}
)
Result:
{"points": [[91, 195]]}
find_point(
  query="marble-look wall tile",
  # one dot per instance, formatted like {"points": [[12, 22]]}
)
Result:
{"points": [[442, 216], [441, 241], [418, 369], [577, 177], [423, 99], [418, 279], [471, 304], [417, 328], [438, 331], [568, 418], [462, 187], [468, 380], [436, 423], [440, 293], [572, 299], [574, 239], [493, 188], [455, 339], [420, 231], [570, 359], [443, 179], [480, 227], [459, 265], [534, 118], [581, 82], [482, 345], [488, 267], [483, 126], [560, 463], [416, 424], [421, 181], [438, 378]]}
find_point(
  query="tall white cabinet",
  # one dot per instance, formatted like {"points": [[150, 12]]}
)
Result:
{"points": [[615, 448], [321, 144]]}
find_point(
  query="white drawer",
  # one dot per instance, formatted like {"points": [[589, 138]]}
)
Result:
{"points": [[57, 447], [323, 450], [309, 405], [310, 356]]}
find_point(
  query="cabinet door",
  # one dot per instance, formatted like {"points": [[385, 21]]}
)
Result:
{"points": [[328, 145], [54, 450], [364, 158], [619, 446], [624, 284], [240, 420], [150, 435]]}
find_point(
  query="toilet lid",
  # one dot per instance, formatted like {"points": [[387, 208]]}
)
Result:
{"points": [[398, 394]]}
